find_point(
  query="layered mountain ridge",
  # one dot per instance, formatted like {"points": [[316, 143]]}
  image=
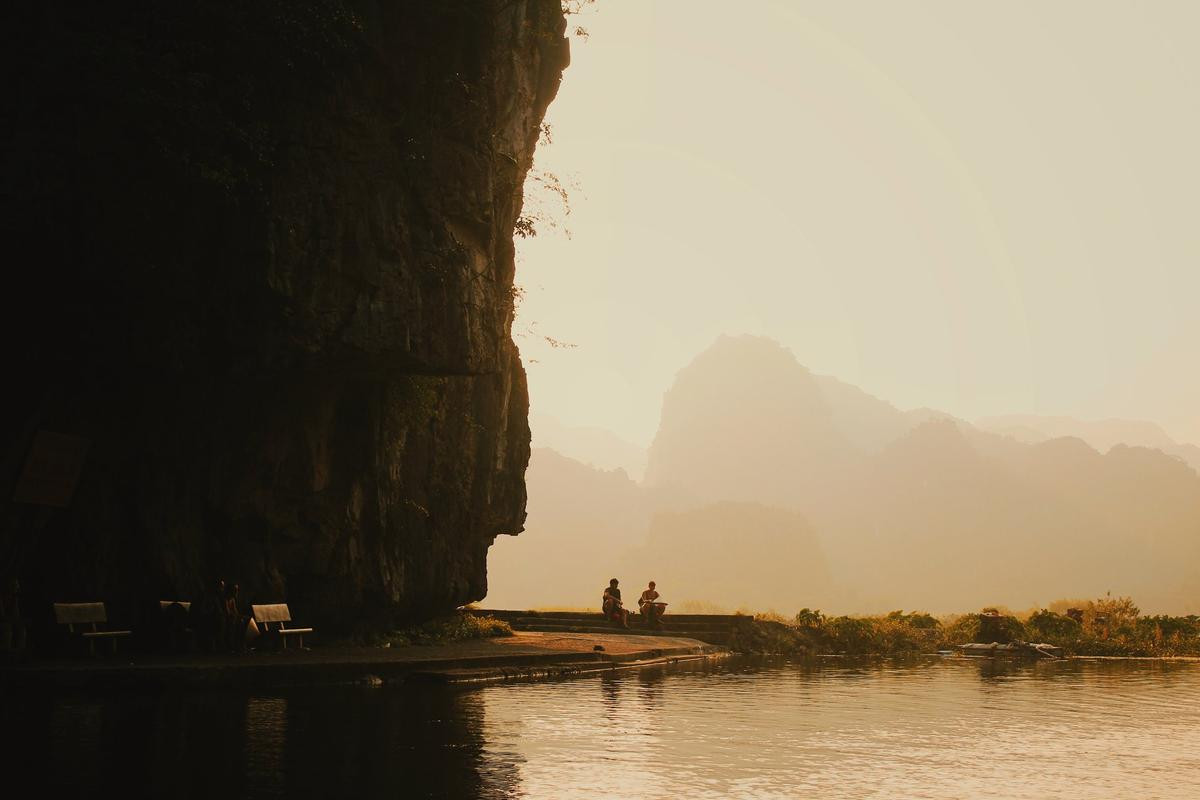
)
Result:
{"points": [[906, 509]]}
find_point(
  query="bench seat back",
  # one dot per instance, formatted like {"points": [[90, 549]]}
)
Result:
{"points": [[165, 604], [79, 613], [276, 612]]}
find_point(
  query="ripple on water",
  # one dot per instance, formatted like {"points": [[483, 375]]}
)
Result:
{"points": [[933, 729], [928, 728]]}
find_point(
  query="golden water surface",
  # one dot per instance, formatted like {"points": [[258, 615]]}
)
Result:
{"points": [[929, 728]]}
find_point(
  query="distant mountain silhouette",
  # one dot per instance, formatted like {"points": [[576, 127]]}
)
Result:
{"points": [[863, 419], [920, 508], [770, 487], [745, 422], [587, 525], [952, 522], [1100, 434], [599, 447]]}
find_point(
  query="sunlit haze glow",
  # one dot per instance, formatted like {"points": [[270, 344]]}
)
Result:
{"points": [[982, 208]]}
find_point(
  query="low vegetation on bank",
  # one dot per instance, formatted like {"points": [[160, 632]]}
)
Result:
{"points": [[459, 626], [1108, 626]]}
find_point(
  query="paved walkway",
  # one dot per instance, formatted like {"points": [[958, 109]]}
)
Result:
{"points": [[521, 656]]}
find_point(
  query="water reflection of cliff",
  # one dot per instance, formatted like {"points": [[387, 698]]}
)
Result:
{"points": [[344, 742]]}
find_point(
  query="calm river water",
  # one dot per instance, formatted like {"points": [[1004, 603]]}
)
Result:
{"points": [[754, 729]]}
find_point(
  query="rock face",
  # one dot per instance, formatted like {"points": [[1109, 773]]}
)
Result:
{"points": [[272, 298], [727, 434]]}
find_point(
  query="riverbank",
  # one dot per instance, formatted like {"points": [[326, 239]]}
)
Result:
{"points": [[522, 656], [1106, 627]]}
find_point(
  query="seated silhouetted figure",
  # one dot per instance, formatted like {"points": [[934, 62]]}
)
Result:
{"points": [[12, 626], [614, 609], [235, 621], [208, 618], [651, 610], [175, 624]]}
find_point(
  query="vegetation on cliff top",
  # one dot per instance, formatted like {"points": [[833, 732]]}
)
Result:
{"points": [[1108, 626]]}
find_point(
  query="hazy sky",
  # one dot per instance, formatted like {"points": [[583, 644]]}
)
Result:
{"points": [[985, 208]]}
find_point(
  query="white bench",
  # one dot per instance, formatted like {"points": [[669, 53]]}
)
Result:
{"points": [[82, 618], [278, 614]]}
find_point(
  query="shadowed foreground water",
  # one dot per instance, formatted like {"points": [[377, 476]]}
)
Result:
{"points": [[927, 729]]}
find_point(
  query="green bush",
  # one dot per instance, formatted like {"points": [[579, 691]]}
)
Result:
{"points": [[460, 626], [1111, 627], [1045, 624], [813, 633], [809, 618], [918, 619], [766, 634], [961, 630], [1002, 628], [854, 636]]}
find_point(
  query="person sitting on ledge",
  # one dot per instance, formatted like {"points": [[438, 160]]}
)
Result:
{"points": [[208, 617], [650, 609], [613, 608], [235, 621]]}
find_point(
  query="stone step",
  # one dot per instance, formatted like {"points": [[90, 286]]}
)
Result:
{"points": [[634, 625], [723, 641], [714, 619], [712, 636], [634, 620]]}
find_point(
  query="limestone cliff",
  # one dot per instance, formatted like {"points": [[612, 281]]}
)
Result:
{"points": [[271, 299]]}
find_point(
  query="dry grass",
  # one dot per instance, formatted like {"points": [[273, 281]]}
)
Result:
{"points": [[1111, 626], [698, 607]]}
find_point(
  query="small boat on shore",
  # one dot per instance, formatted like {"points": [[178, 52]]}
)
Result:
{"points": [[1011, 649]]}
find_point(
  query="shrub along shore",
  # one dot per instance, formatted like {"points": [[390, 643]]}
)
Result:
{"points": [[1107, 626]]}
